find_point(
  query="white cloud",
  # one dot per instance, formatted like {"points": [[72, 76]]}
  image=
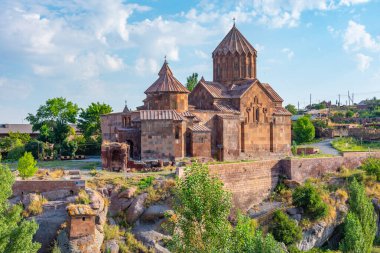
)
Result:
{"points": [[288, 52], [352, 2], [13, 90], [114, 62], [363, 61], [356, 38], [144, 66], [201, 54]]}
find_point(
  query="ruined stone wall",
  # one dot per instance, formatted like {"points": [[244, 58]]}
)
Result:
{"points": [[21, 187]]}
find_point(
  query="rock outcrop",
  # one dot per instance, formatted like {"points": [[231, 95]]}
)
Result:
{"points": [[136, 209]]}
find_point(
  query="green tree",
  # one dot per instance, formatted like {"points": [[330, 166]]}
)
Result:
{"points": [[285, 229], [303, 129], [349, 114], [23, 137], [53, 118], [16, 234], [192, 81], [308, 197], [27, 166], [89, 119], [202, 207], [36, 147], [292, 109], [363, 214], [69, 148], [247, 238]]}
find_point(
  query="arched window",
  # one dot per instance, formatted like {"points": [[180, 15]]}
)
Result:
{"points": [[258, 114]]}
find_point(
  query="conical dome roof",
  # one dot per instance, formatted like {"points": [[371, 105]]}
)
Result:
{"points": [[234, 42], [166, 82]]}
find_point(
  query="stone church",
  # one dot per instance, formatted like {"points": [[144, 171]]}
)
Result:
{"points": [[232, 117]]}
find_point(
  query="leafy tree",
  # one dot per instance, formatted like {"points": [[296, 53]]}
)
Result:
{"points": [[69, 148], [23, 137], [349, 114], [89, 119], [303, 129], [292, 109], [27, 166], [17, 150], [16, 234], [247, 238], [192, 81], [36, 147], [202, 207], [372, 167], [308, 197], [360, 226], [285, 229], [52, 119]]}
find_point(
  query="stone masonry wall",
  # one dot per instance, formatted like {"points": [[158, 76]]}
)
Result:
{"points": [[26, 186]]}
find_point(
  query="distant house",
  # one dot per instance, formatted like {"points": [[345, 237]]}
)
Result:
{"points": [[5, 129]]}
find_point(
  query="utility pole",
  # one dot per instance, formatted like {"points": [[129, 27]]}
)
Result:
{"points": [[310, 100], [352, 99], [348, 92], [339, 101], [298, 106]]}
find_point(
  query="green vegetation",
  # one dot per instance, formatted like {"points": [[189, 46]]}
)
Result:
{"points": [[69, 148], [202, 207], [360, 224], [372, 167], [192, 81], [89, 119], [292, 109], [82, 198], [27, 166], [308, 197], [53, 118], [132, 245], [351, 144], [304, 130], [111, 232], [16, 234], [285, 229], [145, 182]]}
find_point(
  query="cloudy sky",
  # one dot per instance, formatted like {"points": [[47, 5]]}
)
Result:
{"points": [[111, 50]]}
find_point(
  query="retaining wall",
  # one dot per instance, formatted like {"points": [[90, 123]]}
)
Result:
{"points": [[21, 187]]}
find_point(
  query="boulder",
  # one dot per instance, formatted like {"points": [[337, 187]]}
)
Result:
{"points": [[128, 193], [28, 198], [112, 246], [151, 237], [294, 210], [118, 205], [155, 212], [296, 217], [136, 208], [96, 200]]}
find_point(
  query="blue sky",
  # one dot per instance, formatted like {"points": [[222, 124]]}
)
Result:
{"points": [[110, 51]]}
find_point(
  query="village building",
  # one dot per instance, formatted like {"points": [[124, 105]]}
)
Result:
{"points": [[234, 116]]}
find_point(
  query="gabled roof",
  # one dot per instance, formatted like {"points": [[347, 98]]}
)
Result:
{"points": [[281, 111], [199, 128], [160, 115], [225, 106], [21, 128], [234, 42], [166, 82], [237, 90], [272, 94]]}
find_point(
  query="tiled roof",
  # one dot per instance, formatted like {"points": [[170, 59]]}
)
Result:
{"points": [[218, 90], [214, 88], [80, 209], [234, 42], [21, 128], [199, 128], [224, 106], [166, 82], [228, 116], [281, 111], [272, 94], [188, 114], [160, 115]]}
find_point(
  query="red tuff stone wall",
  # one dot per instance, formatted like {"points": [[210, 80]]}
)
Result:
{"points": [[302, 169], [200, 144], [27, 186], [167, 101], [250, 183], [80, 226]]}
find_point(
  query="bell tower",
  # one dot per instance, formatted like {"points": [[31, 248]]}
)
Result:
{"points": [[234, 58]]}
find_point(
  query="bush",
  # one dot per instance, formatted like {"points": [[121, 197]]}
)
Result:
{"points": [[285, 229], [27, 166], [304, 130], [372, 167], [36, 206], [145, 182], [69, 148], [36, 147], [82, 198], [308, 197], [111, 232], [17, 151], [132, 245]]}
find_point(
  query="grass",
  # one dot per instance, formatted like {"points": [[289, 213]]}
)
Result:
{"points": [[65, 164], [132, 245], [35, 207], [111, 232], [349, 144], [376, 249], [82, 198], [319, 155]]}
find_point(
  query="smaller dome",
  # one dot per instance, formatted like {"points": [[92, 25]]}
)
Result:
{"points": [[234, 42]]}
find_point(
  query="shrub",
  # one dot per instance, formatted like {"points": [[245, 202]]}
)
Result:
{"points": [[111, 232], [132, 245], [372, 167], [285, 229], [17, 151], [93, 172], [304, 130], [82, 198], [310, 200], [145, 182], [36, 206], [36, 147], [27, 166]]}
